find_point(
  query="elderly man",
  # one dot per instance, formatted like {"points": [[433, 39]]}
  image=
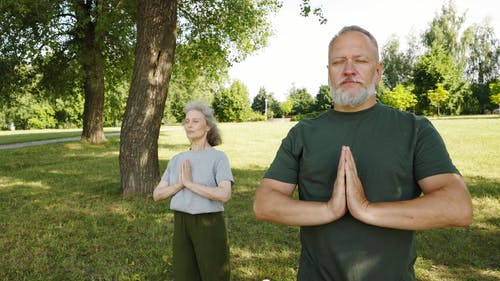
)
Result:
{"points": [[360, 169]]}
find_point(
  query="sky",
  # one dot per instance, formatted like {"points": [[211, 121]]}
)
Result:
{"points": [[296, 55]]}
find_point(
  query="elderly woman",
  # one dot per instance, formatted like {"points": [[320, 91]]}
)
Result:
{"points": [[200, 182]]}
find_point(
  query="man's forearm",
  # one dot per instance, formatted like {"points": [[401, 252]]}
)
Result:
{"points": [[276, 207], [448, 206]]}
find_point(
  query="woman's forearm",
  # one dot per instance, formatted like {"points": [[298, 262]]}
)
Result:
{"points": [[164, 191], [220, 193]]}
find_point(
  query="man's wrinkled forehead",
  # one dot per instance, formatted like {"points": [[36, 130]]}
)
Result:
{"points": [[370, 40]]}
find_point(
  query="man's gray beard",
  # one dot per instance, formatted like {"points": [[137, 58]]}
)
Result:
{"points": [[343, 98]]}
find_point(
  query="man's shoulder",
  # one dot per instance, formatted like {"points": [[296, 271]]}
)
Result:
{"points": [[400, 114], [314, 121]]}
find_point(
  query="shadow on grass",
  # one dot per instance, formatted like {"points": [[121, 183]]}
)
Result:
{"points": [[467, 253], [258, 249], [483, 187], [62, 217]]}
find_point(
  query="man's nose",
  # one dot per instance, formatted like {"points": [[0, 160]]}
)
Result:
{"points": [[349, 67]]}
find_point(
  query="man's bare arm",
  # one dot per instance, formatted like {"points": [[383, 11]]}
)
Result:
{"points": [[274, 202], [446, 202]]}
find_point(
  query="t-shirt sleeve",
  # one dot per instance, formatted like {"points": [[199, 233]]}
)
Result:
{"points": [[167, 175], [223, 169], [431, 156], [285, 166]]}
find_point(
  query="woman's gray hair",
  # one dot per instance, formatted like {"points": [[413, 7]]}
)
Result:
{"points": [[346, 29], [213, 136]]}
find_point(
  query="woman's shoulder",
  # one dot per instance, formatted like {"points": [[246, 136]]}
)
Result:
{"points": [[217, 152], [179, 156]]}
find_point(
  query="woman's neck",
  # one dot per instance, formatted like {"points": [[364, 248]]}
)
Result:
{"points": [[200, 145]]}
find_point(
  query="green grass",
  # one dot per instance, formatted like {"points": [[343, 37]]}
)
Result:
{"points": [[8, 137], [62, 216]]}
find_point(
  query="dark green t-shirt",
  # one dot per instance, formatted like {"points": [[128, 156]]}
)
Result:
{"points": [[392, 151]]}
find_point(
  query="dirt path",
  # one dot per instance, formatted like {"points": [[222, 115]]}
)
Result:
{"points": [[41, 142]]}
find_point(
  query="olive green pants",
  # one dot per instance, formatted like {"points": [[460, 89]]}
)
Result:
{"points": [[200, 247]]}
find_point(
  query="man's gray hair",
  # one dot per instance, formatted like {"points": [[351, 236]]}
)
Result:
{"points": [[356, 28], [213, 136]]}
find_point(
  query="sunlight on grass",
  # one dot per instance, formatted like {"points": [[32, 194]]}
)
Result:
{"points": [[426, 271], [473, 144], [62, 216], [13, 183], [486, 215]]}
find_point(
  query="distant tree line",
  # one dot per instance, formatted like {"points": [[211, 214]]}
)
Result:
{"points": [[448, 69]]}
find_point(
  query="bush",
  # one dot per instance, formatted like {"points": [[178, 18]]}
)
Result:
{"points": [[309, 115], [42, 117], [255, 116]]}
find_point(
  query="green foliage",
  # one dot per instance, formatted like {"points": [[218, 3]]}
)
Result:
{"points": [[255, 116], [301, 100], [260, 101], [306, 9], [483, 55], [401, 97], [443, 62], [50, 36], [287, 106], [398, 66], [308, 115], [70, 47], [42, 116], [323, 99], [275, 109], [114, 105], [438, 96], [181, 91], [495, 93], [265, 102], [233, 104], [214, 34]]}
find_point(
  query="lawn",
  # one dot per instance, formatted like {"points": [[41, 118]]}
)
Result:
{"points": [[8, 137], [62, 216]]}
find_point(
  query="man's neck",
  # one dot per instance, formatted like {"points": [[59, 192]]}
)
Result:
{"points": [[370, 102]]}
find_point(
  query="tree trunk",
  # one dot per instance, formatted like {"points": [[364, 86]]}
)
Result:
{"points": [[154, 59], [93, 69], [93, 109]]}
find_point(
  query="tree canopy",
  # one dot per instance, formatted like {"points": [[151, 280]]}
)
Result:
{"points": [[196, 38], [73, 46]]}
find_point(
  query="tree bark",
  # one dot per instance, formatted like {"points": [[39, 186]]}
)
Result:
{"points": [[154, 60], [93, 68]]}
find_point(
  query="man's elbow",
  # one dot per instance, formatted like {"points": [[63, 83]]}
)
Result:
{"points": [[258, 212], [465, 216], [464, 209]]}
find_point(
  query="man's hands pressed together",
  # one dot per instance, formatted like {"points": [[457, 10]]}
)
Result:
{"points": [[348, 193]]}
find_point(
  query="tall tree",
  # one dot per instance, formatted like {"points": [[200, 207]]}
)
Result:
{"points": [[68, 41], [154, 58], [233, 104], [259, 103], [323, 100], [398, 66], [401, 97], [495, 94], [438, 96], [265, 103], [443, 62], [483, 64], [206, 37], [302, 101], [183, 89]]}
